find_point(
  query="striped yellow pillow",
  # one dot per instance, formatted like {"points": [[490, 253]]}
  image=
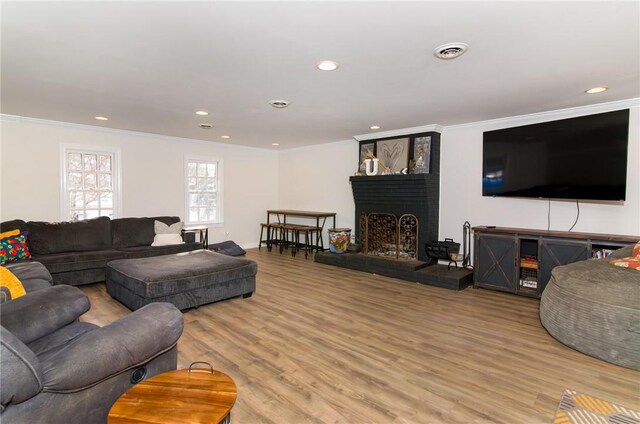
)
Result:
{"points": [[9, 234], [10, 286]]}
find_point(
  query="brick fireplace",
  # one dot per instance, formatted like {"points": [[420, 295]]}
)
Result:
{"points": [[398, 195]]}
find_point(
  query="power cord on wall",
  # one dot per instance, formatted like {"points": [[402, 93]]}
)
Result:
{"points": [[577, 216]]}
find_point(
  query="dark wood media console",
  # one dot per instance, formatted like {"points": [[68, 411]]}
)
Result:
{"points": [[519, 260]]}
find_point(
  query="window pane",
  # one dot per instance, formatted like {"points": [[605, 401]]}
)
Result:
{"points": [[193, 214], [211, 169], [201, 184], [74, 161], [75, 181], [106, 200], [191, 169], [204, 216], [104, 181], [193, 199], [104, 163], [90, 182], [76, 199], [202, 169], [106, 212], [89, 161], [77, 215], [192, 184], [91, 199], [88, 214]]}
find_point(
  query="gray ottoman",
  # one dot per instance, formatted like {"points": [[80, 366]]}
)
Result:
{"points": [[187, 279]]}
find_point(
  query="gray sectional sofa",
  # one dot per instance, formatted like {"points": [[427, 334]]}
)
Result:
{"points": [[77, 253]]}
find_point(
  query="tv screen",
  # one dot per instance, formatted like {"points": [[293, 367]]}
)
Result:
{"points": [[576, 158]]}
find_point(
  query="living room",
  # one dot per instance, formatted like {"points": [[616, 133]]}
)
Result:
{"points": [[65, 64]]}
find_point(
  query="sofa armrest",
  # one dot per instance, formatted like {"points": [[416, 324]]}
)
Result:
{"points": [[44, 311], [102, 353]]}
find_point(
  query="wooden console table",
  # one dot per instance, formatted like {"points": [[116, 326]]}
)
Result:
{"points": [[520, 261], [284, 213]]}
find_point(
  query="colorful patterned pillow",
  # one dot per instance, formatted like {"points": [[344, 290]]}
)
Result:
{"points": [[636, 250], [632, 262], [14, 248], [10, 286]]}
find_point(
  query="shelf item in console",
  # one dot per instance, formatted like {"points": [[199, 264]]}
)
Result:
{"points": [[529, 277], [528, 262], [599, 253]]}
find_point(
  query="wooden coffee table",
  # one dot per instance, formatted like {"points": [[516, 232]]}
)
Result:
{"points": [[195, 396]]}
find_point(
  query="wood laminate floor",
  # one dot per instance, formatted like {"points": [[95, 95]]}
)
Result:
{"points": [[320, 344]]}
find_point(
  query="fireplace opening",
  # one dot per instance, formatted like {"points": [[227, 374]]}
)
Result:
{"points": [[385, 234]]}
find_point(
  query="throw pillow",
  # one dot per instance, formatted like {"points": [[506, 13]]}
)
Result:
{"points": [[14, 248], [9, 234], [10, 286], [167, 234], [636, 249], [632, 262]]}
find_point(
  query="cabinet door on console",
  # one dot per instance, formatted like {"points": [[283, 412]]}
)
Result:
{"points": [[555, 252], [495, 258]]}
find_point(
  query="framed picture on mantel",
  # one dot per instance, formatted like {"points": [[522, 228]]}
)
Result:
{"points": [[394, 154], [421, 154]]}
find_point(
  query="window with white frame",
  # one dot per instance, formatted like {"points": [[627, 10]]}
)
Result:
{"points": [[204, 190], [90, 183]]}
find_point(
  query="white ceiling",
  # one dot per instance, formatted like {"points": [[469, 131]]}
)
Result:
{"points": [[149, 65]]}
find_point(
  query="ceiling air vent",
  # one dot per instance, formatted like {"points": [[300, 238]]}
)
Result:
{"points": [[450, 51], [279, 104], [206, 126]]}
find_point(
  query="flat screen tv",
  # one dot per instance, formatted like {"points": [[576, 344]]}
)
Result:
{"points": [[576, 158]]}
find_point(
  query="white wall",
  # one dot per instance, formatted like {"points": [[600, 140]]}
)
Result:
{"points": [[461, 185], [316, 178], [152, 175], [311, 178]]}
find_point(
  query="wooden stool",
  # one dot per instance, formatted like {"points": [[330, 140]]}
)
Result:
{"points": [[308, 244], [272, 229]]}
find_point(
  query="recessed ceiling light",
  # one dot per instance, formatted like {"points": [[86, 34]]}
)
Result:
{"points": [[279, 104], [327, 65], [375, 127], [275, 144], [450, 50], [202, 112], [206, 126], [595, 90], [225, 136], [102, 118]]}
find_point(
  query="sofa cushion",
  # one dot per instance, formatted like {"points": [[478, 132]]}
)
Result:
{"points": [[148, 251], [32, 274], [14, 224], [46, 346], [75, 261], [10, 286], [55, 237], [14, 248], [132, 232]]}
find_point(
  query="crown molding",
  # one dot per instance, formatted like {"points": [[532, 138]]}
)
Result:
{"points": [[400, 132], [554, 114], [85, 127]]}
